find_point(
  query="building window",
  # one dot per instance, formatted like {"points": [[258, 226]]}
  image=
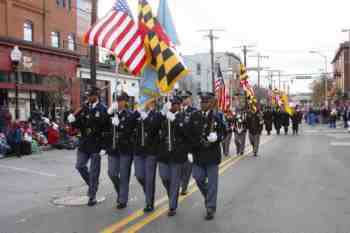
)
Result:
{"points": [[61, 3], [198, 69], [28, 31], [69, 4], [71, 42], [55, 39]]}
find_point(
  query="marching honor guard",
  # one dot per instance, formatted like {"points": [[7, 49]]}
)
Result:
{"points": [[120, 152], [240, 132], [147, 141], [173, 151], [255, 124], [268, 120], [207, 131], [91, 120], [187, 110]]}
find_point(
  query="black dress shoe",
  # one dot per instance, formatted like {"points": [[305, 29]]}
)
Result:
{"points": [[171, 213], [210, 214], [121, 206], [92, 202], [255, 154], [148, 208], [184, 192]]}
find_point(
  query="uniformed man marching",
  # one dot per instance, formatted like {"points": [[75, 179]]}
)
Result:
{"points": [[207, 130], [173, 151], [268, 120], [120, 149], [147, 140], [188, 110], [255, 124], [240, 132], [91, 120]]}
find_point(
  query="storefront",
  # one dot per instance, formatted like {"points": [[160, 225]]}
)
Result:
{"points": [[45, 78]]}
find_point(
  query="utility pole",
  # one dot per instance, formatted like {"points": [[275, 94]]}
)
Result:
{"points": [[260, 57], [92, 47], [245, 50], [212, 37]]}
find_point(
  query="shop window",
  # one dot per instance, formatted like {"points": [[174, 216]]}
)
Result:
{"points": [[4, 77], [28, 31], [55, 39], [71, 42]]}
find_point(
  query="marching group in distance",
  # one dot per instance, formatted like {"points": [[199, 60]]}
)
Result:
{"points": [[180, 140]]}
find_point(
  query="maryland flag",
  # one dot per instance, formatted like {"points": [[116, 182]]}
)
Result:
{"points": [[249, 91], [160, 50]]}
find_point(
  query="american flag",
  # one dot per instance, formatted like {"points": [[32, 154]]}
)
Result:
{"points": [[118, 33], [222, 92]]}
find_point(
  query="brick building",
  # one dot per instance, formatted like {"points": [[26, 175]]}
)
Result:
{"points": [[46, 33], [341, 68]]}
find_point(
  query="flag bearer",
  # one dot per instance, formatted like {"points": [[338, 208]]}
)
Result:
{"points": [[120, 153], [173, 152], [207, 130], [147, 141], [91, 120]]}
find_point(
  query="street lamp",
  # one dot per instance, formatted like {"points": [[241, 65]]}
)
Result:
{"points": [[16, 57], [326, 74]]}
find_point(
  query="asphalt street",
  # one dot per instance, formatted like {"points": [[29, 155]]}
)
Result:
{"points": [[298, 184]]}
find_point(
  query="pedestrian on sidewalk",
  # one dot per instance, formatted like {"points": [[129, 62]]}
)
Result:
{"points": [[255, 124], [91, 120]]}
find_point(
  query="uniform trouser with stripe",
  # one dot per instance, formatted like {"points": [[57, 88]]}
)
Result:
{"points": [[206, 177], [90, 176], [186, 173], [119, 168], [170, 174], [240, 142], [145, 172], [255, 141]]}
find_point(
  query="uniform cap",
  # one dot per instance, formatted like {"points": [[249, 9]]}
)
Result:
{"points": [[185, 94], [93, 91], [176, 100], [206, 96], [123, 96]]}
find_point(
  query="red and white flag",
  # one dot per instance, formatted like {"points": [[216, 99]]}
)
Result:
{"points": [[118, 33], [222, 92]]}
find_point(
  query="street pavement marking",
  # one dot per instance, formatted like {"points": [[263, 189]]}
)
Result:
{"points": [[157, 213], [29, 171], [340, 143]]}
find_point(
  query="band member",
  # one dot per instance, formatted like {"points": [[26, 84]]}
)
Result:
{"points": [[240, 132], [147, 141], [173, 152], [268, 120], [255, 123], [207, 131], [188, 110], [91, 120], [120, 152]]}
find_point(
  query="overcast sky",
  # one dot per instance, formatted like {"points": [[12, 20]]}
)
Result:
{"points": [[284, 30]]}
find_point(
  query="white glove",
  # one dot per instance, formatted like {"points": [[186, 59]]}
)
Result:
{"points": [[171, 116], [102, 152], [143, 114], [190, 157], [46, 120], [71, 118], [213, 137], [166, 108], [113, 108], [115, 121]]}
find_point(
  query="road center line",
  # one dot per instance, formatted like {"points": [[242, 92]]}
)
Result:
{"points": [[29, 171], [193, 188]]}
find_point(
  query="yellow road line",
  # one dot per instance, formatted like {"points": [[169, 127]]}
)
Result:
{"points": [[139, 213], [159, 212]]}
